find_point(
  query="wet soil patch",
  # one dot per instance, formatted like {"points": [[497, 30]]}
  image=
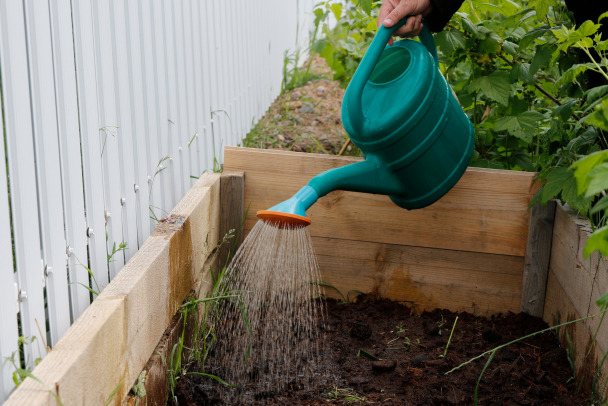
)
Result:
{"points": [[383, 352]]}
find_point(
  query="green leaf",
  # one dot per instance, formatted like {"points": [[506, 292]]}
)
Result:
{"points": [[541, 58], [490, 44], [336, 8], [602, 301], [586, 29], [597, 241], [510, 47], [598, 180], [450, 40], [599, 118], [366, 6], [571, 74], [470, 27], [601, 205], [495, 86], [541, 7], [555, 183], [596, 93], [584, 166], [521, 71], [565, 110], [521, 126], [532, 35]]}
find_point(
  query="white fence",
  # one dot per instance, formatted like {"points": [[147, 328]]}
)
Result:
{"points": [[111, 109]]}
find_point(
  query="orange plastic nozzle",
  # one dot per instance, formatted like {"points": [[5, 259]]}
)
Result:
{"points": [[282, 219]]}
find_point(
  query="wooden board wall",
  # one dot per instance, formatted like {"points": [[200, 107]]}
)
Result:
{"points": [[465, 252], [573, 286], [109, 344]]}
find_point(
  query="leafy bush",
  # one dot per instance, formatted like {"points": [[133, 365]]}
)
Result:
{"points": [[520, 71]]}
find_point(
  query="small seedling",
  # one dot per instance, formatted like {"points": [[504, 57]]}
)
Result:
{"points": [[345, 395], [449, 339], [363, 353]]}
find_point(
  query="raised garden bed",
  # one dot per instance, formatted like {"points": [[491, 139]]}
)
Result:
{"points": [[479, 249]]}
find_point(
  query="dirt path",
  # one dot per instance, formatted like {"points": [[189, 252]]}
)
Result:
{"points": [[306, 119]]}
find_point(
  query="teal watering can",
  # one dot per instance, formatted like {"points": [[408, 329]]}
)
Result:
{"points": [[399, 110]]}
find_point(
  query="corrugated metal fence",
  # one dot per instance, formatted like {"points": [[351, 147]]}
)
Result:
{"points": [[111, 110]]}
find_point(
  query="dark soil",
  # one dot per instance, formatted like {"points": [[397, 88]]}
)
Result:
{"points": [[382, 352]]}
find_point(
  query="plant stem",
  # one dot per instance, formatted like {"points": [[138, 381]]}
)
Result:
{"points": [[449, 339]]}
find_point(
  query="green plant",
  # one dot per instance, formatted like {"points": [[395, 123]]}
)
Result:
{"points": [[139, 389], [445, 352], [519, 70], [345, 299], [159, 168], [122, 246], [343, 46], [344, 395]]}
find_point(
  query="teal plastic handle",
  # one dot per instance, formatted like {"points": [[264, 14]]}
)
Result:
{"points": [[371, 58]]}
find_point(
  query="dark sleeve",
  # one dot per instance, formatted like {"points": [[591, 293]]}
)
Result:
{"points": [[441, 14]]}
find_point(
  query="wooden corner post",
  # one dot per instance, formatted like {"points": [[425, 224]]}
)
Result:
{"points": [[538, 256]]}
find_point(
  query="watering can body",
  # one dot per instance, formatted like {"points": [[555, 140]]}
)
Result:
{"points": [[400, 111]]}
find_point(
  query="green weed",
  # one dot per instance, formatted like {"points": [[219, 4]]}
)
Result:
{"points": [[491, 353], [345, 395], [345, 299]]}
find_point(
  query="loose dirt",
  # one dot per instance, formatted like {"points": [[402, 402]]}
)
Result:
{"points": [[306, 119], [383, 352]]}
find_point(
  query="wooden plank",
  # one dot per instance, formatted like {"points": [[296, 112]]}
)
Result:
{"points": [[559, 309], [427, 278], [119, 331], [538, 254], [574, 285], [487, 211], [231, 218]]}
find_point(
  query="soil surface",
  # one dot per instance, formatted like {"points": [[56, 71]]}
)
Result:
{"points": [[306, 119], [383, 352]]}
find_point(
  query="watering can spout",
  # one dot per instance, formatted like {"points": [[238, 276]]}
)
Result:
{"points": [[366, 176]]}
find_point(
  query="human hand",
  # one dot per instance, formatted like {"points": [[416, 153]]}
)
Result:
{"points": [[393, 11]]}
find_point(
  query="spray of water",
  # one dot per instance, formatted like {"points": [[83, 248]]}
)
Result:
{"points": [[268, 334]]}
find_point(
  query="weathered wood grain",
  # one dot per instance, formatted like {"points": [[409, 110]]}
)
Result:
{"points": [[538, 254], [232, 203], [428, 278], [487, 211], [574, 285]]}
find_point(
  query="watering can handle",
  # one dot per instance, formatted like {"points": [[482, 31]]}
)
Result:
{"points": [[371, 57]]}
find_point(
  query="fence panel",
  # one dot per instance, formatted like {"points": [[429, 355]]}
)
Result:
{"points": [[46, 145], [124, 132], [137, 102], [97, 95], [22, 173], [9, 333], [86, 82], [71, 162]]}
